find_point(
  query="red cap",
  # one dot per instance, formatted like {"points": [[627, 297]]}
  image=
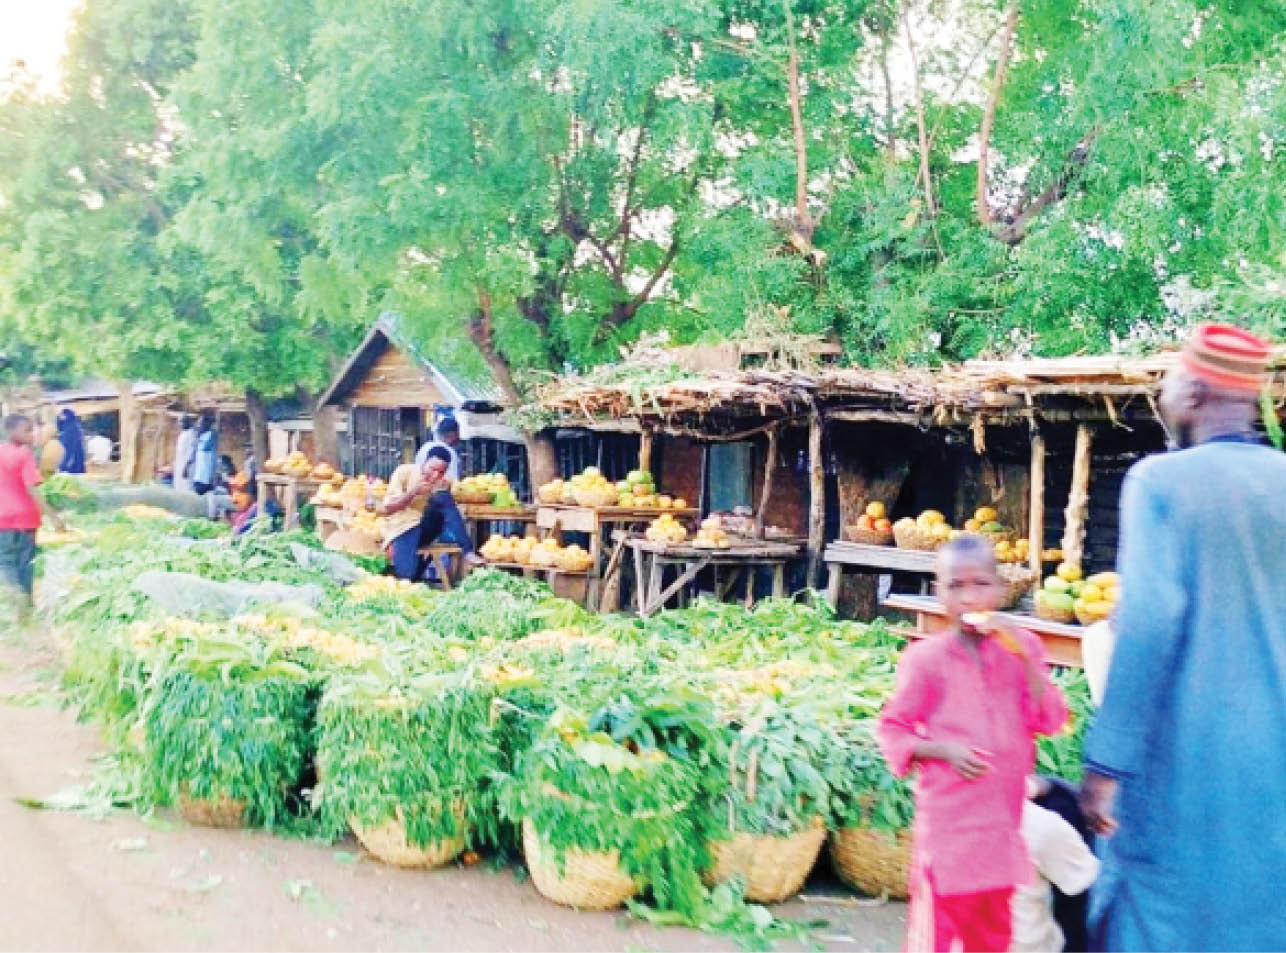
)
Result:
{"points": [[1226, 356]]}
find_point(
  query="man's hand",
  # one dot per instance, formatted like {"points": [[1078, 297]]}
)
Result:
{"points": [[1098, 800]]}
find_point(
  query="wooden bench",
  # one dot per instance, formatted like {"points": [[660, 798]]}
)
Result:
{"points": [[438, 554]]}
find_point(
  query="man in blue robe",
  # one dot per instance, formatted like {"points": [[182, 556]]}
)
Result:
{"points": [[1186, 763]]}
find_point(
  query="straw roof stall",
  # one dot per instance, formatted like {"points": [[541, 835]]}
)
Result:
{"points": [[671, 397]]}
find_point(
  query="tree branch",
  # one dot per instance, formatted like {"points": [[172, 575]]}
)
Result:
{"points": [[480, 333], [921, 130], [989, 115], [631, 179], [804, 224], [1015, 229], [625, 310]]}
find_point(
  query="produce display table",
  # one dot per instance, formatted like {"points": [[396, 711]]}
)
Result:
{"points": [[481, 517], [652, 558], [567, 583], [603, 591], [877, 560], [286, 490], [330, 519], [1062, 642]]}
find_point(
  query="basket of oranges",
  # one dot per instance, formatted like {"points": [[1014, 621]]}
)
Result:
{"points": [[927, 532], [872, 527]]}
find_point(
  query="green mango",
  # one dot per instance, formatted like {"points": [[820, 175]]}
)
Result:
{"points": [[1056, 585]]}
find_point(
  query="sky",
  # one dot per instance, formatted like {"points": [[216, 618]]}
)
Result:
{"points": [[35, 31]]}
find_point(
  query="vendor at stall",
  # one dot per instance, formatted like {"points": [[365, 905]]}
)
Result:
{"points": [[419, 510]]}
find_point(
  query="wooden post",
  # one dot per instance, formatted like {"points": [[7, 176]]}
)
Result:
{"points": [[1078, 500], [816, 498], [129, 425], [645, 451], [1036, 518], [770, 466]]}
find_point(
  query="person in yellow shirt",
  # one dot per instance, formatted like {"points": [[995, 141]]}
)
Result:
{"points": [[50, 449], [419, 510]]}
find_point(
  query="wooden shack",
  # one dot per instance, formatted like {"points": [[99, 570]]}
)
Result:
{"points": [[388, 395], [1046, 442]]}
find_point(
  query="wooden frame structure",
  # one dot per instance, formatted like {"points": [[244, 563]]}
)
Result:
{"points": [[1038, 400]]}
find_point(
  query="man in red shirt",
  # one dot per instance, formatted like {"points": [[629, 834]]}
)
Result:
{"points": [[20, 508]]}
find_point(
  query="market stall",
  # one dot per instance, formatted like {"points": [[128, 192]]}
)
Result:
{"points": [[733, 564]]}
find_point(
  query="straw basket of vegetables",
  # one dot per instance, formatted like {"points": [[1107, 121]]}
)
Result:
{"points": [[229, 749], [769, 827], [398, 767], [604, 801], [870, 845]]}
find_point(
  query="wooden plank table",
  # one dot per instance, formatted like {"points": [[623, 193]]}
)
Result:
{"points": [[740, 557], [483, 516], [878, 560], [330, 519], [286, 490], [1062, 642], [597, 523]]}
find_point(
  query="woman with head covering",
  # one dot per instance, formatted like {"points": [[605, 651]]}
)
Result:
{"points": [[205, 468], [73, 441], [185, 454]]}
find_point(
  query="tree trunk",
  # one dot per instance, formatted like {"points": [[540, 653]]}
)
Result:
{"points": [[542, 458], [258, 424], [981, 204], [129, 423], [816, 499], [325, 436]]}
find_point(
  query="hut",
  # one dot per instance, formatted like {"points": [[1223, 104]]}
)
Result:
{"points": [[1045, 442], [388, 395]]}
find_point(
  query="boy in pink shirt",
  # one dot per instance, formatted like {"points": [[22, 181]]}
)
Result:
{"points": [[967, 707], [20, 509]]}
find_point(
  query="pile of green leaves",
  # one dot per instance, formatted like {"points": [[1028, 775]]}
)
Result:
{"points": [[226, 720], [414, 750]]}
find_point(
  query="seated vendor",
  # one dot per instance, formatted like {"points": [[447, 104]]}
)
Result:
{"points": [[419, 510]]}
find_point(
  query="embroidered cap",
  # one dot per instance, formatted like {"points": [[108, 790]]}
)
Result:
{"points": [[1227, 356]]}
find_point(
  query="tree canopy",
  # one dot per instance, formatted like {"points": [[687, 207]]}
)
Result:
{"points": [[232, 190]]}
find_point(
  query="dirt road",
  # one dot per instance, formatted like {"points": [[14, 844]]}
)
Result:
{"points": [[70, 882]]}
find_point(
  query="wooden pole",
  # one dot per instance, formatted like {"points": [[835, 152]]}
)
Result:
{"points": [[1078, 500], [816, 498], [770, 467], [129, 425], [645, 450], [1036, 518]]}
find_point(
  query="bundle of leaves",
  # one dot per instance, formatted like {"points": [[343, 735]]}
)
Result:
{"points": [[497, 614], [411, 752], [1063, 753], [864, 792], [769, 774], [224, 719], [107, 679], [493, 580], [627, 777], [62, 491]]}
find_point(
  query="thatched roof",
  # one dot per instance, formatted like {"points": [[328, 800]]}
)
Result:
{"points": [[990, 392]]}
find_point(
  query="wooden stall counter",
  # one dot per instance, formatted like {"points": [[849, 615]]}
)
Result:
{"points": [[842, 556], [739, 559], [482, 518], [597, 522], [286, 490], [1062, 642]]}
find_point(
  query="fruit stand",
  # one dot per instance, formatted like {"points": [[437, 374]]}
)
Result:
{"points": [[731, 563], [1062, 641]]}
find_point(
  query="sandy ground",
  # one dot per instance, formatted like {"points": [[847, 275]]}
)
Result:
{"points": [[70, 882]]}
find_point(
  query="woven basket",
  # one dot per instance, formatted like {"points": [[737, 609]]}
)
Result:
{"points": [[590, 880], [388, 842], [597, 498], [550, 494], [869, 537], [1018, 581], [872, 861], [476, 497], [1066, 616], [773, 868], [910, 537], [223, 811]]}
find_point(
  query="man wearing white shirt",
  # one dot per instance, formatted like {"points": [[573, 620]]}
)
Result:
{"points": [[448, 438], [1060, 858]]}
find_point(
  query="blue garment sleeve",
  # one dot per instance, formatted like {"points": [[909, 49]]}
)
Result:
{"points": [[1149, 623]]}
